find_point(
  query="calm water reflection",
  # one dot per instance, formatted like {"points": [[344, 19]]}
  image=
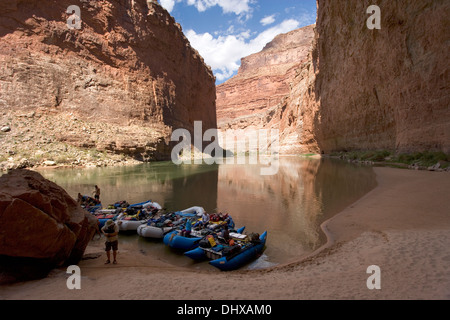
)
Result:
{"points": [[290, 205]]}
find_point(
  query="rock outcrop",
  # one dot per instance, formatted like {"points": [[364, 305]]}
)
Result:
{"points": [[363, 89], [254, 98], [386, 88], [129, 68], [42, 227]]}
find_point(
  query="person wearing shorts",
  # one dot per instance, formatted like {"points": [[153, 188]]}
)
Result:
{"points": [[111, 232]]}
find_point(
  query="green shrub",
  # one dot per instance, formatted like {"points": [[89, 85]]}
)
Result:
{"points": [[427, 158], [422, 158]]}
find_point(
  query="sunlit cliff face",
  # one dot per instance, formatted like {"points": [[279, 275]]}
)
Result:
{"points": [[129, 64], [358, 88], [257, 97]]}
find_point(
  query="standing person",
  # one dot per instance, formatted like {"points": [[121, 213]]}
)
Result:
{"points": [[80, 199], [97, 193], [111, 231]]}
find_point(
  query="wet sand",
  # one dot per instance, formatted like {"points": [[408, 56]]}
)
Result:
{"points": [[402, 226]]}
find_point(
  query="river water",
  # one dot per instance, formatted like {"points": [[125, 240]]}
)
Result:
{"points": [[290, 205]]}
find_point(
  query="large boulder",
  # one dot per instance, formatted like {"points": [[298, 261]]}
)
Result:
{"points": [[41, 226]]}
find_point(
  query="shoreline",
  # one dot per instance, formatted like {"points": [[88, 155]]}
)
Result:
{"points": [[402, 226], [130, 162]]}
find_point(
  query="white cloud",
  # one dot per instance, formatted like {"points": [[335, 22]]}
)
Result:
{"points": [[289, 10], [306, 18], [228, 6], [239, 7], [168, 4], [266, 36], [234, 6], [223, 53], [268, 20]]}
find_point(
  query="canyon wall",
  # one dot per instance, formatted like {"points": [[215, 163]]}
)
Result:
{"points": [[384, 88], [255, 97], [357, 89], [129, 75]]}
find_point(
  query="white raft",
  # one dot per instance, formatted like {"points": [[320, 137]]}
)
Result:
{"points": [[194, 210], [132, 225], [148, 231]]}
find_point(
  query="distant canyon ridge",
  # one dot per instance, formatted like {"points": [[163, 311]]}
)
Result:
{"points": [[128, 78], [261, 95]]}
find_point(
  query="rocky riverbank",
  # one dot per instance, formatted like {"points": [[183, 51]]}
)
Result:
{"points": [[431, 161], [39, 139]]}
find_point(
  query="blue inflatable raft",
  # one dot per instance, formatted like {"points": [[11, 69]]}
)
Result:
{"points": [[175, 240], [227, 258]]}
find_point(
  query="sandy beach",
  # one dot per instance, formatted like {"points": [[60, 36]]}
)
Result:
{"points": [[402, 226]]}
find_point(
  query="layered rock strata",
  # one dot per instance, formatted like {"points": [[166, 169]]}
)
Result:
{"points": [[382, 88], [359, 88], [254, 98], [128, 67]]}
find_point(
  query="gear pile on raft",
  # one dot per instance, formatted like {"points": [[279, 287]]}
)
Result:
{"points": [[201, 236]]}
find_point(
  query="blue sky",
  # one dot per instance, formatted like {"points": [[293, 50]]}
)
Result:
{"points": [[224, 31]]}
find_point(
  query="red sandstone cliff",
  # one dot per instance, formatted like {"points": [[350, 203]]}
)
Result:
{"points": [[253, 98], [376, 89], [380, 89], [358, 89], [129, 75]]}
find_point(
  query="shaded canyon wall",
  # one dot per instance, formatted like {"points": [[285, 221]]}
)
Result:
{"points": [[381, 89]]}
